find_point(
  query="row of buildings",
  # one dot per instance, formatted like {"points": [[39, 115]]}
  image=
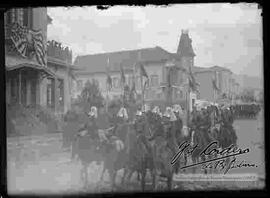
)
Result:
{"points": [[39, 72], [158, 64]]}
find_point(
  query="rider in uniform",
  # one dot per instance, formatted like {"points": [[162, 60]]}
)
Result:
{"points": [[138, 124], [103, 124], [171, 131], [92, 125]]}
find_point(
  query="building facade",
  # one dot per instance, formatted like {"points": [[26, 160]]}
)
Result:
{"points": [[227, 87], [167, 79], [31, 65]]}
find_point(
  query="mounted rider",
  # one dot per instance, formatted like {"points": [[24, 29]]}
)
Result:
{"points": [[122, 115], [179, 122], [103, 124], [139, 122], [92, 125]]}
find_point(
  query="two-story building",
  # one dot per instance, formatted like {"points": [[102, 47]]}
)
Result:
{"points": [[227, 87], [32, 64], [159, 64]]}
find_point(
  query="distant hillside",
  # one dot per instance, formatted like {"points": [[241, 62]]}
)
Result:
{"points": [[249, 81]]}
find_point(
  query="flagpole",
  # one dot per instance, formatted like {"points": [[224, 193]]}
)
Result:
{"points": [[188, 98], [107, 87], [142, 90], [141, 78]]}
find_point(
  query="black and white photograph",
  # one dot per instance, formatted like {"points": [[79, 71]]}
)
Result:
{"points": [[129, 99]]}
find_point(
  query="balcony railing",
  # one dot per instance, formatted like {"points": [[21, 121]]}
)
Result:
{"points": [[56, 50]]}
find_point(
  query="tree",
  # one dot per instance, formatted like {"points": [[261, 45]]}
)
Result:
{"points": [[90, 96]]}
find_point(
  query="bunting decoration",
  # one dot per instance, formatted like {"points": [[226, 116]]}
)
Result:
{"points": [[27, 41]]}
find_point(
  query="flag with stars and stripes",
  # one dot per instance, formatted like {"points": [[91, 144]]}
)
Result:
{"points": [[19, 38], [26, 41]]}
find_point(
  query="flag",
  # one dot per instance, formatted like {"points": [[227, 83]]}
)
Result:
{"points": [[142, 71], [109, 81], [26, 41], [123, 78], [214, 83], [19, 38], [39, 47], [192, 82], [146, 83], [71, 74]]}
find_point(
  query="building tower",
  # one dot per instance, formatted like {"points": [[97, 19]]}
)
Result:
{"points": [[186, 56], [185, 50]]}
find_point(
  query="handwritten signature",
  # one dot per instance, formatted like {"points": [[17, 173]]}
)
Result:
{"points": [[212, 152]]}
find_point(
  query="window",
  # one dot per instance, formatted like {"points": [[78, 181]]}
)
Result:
{"points": [[138, 82], [180, 77], [115, 82], [79, 85], [179, 94], [154, 80], [130, 79]]}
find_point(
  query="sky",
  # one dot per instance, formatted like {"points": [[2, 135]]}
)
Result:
{"points": [[227, 35]]}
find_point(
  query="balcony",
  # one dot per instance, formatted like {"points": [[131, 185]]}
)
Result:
{"points": [[55, 50]]}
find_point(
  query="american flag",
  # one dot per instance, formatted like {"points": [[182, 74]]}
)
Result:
{"points": [[26, 40]]}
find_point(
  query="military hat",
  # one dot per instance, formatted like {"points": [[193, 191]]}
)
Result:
{"points": [[138, 113], [93, 112], [122, 113]]}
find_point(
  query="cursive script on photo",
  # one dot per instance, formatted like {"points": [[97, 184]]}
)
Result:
{"points": [[210, 151], [227, 165]]}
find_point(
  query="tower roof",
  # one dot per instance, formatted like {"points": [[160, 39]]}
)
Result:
{"points": [[185, 46]]}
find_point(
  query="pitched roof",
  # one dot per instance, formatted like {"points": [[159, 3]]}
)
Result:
{"points": [[98, 62], [185, 47], [209, 69]]}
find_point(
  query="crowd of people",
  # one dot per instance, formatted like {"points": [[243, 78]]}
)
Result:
{"points": [[206, 123], [98, 120], [246, 110]]}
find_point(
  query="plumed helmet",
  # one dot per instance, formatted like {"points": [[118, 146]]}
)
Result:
{"points": [[155, 109], [138, 113], [178, 109], [93, 112], [145, 108], [167, 113], [122, 113]]}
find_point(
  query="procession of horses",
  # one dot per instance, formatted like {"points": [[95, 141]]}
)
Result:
{"points": [[148, 142]]}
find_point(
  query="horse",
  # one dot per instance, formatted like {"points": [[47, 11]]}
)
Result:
{"points": [[201, 137], [88, 152], [164, 151], [140, 157]]}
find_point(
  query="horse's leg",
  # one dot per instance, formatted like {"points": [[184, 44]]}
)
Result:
{"points": [[194, 160], [125, 175], [143, 172], [84, 175], [169, 181], [138, 175], [102, 173], [153, 174], [112, 175]]}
